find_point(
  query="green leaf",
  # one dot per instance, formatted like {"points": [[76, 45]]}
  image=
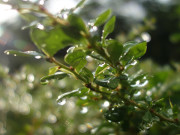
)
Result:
{"points": [[80, 4], [116, 114], [67, 94], [77, 24], [110, 82], [87, 75], [102, 18], [109, 27], [50, 41], [147, 117], [75, 93], [77, 59], [133, 50], [100, 69], [53, 70], [115, 50], [26, 53], [58, 76]]}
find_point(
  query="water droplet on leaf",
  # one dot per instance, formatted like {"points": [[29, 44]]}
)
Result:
{"points": [[62, 102], [84, 110], [38, 57]]}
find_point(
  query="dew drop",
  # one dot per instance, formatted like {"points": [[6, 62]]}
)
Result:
{"points": [[41, 2], [84, 110], [92, 27], [52, 118], [137, 94], [82, 128], [62, 102], [93, 131], [40, 26], [105, 104], [84, 97], [30, 77], [146, 36], [43, 45], [38, 57]]}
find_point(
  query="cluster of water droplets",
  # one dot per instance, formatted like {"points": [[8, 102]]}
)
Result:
{"points": [[92, 27]]}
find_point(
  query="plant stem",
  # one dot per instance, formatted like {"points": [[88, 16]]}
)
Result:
{"points": [[162, 118], [104, 55], [67, 68]]}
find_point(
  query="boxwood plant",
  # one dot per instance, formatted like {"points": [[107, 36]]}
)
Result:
{"points": [[109, 80]]}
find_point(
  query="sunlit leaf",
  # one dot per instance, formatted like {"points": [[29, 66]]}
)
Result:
{"points": [[102, 18], [52, 70], [77, 59], [133, 50], [109, 27], [50, 41]]}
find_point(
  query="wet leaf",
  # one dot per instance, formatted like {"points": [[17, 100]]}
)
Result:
{"points": [[133, 50], [100, 69], [110, 82], [57, 76], [26, 53], [75, 93], [77, 59], [87, 75]]}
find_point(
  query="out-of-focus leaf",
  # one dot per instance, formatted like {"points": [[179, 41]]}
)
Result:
{"points": [[102, 18], [77, 59], [109, 27], [80, 4], [76, 23], [26, 53], [50, 41]]}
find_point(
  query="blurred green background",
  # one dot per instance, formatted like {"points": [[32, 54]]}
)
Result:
{"points": [[29, 108]]}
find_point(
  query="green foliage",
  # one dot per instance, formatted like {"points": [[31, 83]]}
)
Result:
{"points": [[102, 18], [109, 77], [108, 27], [77, 59], [57, 75]]}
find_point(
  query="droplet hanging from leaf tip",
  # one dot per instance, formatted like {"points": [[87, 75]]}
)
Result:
{"points": [[62, 102]]}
